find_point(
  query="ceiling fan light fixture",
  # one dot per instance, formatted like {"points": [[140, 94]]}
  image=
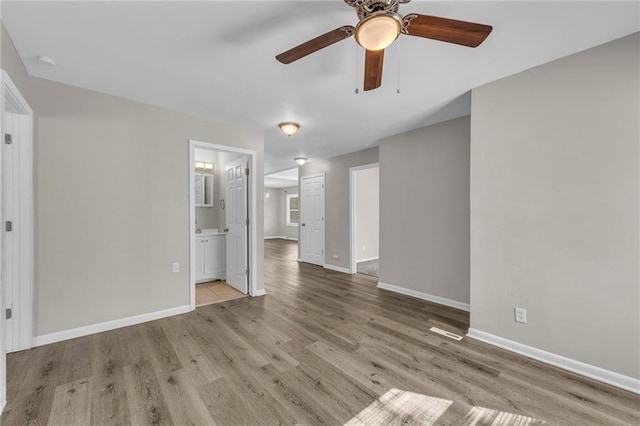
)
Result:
{"points": [[378, 30], [289, 128]]}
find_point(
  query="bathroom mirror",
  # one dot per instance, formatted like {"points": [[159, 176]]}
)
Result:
{"points": [[204, 189]]}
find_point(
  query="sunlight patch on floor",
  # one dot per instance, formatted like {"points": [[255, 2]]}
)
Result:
{"points": [[397, 407], [402, 408]]}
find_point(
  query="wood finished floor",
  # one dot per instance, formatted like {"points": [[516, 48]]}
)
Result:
{"points": [[320, 348]]}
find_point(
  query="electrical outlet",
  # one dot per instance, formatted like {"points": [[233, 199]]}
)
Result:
{"points": [[176, 267], [520, 315], [336, 257]]}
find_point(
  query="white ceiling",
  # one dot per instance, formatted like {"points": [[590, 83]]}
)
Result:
{"points": [[216, 59], [282, 179]]}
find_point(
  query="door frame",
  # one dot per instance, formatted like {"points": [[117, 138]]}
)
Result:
{"points": [[352, 213], [324, 215], [253, 216], [22, 194]]}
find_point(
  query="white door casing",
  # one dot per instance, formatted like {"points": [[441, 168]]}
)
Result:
{"points": [[312, 219], [16, 249], [237, 224], [352, 213], [252, 156]]}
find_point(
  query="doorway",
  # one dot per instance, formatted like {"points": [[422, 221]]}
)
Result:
{"points": [[16, 248], [222, 227], [364, 213], [312, 219]]}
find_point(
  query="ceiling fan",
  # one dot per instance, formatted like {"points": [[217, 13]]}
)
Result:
{"points": [[380, 25]]}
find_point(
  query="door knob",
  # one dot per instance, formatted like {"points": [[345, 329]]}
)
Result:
{"points": [[304, 224], [225, 230]]}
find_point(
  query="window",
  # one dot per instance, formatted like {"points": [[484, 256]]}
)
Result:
{"points": [[292, 210]]}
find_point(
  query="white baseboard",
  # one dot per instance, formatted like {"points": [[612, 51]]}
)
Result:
{"points": [[259, 293], [59, 336], [368, 259], [597, 373], [283, 237], [337, 268], [2, 405], [424, 296]]}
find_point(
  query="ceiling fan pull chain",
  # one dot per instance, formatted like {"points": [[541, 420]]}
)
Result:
{"points": [[399, 57], [357, 72]]}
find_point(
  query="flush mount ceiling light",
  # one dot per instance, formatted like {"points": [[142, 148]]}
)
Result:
{"points": [[289, 128], [45, 60], [300, 161], [378, 30]]}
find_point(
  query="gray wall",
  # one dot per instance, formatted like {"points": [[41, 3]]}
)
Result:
{"points": [[336, 172], [554, 207], [424, 210], [109, 222], [367, 213], [275, 213], [271, 212]]}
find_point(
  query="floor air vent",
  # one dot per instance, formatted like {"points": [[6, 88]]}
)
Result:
{"points": [[445, 333]]}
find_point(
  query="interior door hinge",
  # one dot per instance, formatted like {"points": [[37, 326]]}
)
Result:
{"points": [[246, 221], [246, 171], [246, 271], [8, 226], [7, 139], [8, 313]]}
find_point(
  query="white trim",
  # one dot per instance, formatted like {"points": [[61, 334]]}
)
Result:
{"points": [[337, 268], [59, 336], [588, 370], [367, 259], [425, 296], [352, 213], [253, 215], [260, 292], [287, 210], [23, 216], [281, 237]]}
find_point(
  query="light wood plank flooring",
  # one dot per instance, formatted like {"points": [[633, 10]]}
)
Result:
{"points": [[321, 348], [215, 292]]}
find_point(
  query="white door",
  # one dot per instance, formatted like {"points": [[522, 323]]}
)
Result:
{"points": [[237, 225], [312, 219]]}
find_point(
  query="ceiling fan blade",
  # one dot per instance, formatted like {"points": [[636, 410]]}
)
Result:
{"points": [[316, 44], [447, 30], [373, 69]]}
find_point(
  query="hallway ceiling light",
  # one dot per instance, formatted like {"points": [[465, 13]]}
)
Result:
{"points": [[289, 128], [46, 60], [300, 161]]}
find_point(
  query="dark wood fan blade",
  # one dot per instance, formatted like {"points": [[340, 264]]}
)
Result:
{"points": [[373, 69], [315, 44], [448, 30]]}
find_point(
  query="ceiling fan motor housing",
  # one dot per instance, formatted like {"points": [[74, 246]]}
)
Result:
{"points": [[365, 8]]}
